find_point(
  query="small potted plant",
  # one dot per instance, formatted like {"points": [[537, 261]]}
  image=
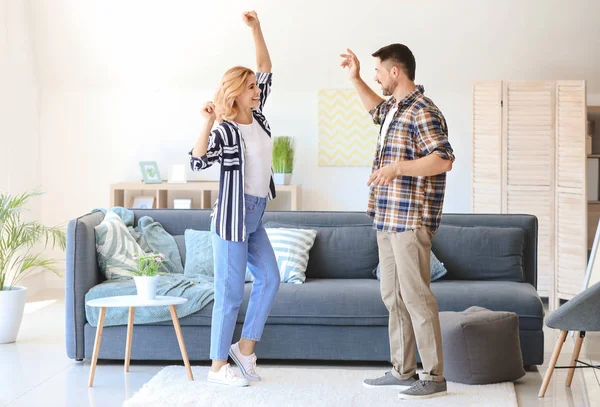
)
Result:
{"points": [[146, 275], [19, 241], [283, 160]]}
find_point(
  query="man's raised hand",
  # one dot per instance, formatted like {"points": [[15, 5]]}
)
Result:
{"points": [[351, 62]]}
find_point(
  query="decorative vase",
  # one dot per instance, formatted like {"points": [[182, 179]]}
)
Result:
{"points": [[12, 305], [282, 179], [146, 287]]}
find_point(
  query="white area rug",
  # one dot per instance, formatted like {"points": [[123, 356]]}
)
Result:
{"points": [[303, 386]]}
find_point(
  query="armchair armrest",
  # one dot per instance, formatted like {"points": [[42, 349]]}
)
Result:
{"points": [[82, 273]]}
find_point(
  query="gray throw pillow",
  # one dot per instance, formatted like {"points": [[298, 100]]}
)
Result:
{"points": [[481, 252], [155, 239]]}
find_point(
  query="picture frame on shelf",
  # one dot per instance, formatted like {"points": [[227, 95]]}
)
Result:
{"points": [[143, 202], [150, 172], [177, 174]]}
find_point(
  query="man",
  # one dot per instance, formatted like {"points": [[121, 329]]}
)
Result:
{"points": [[407, 186]]}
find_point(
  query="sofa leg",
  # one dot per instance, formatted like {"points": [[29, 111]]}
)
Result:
{"points": [[559, 344], [79, 360], [576, 350]]}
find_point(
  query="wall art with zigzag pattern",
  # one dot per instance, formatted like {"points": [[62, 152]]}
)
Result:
{"points": [[347, 134]]}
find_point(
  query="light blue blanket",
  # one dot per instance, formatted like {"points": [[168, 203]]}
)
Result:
{"points": [[199, 292]]}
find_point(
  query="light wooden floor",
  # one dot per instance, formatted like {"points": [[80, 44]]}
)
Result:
{"points": [[40, 374]]}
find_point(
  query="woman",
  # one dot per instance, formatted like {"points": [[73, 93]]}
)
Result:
{"points": [[242, 144]]}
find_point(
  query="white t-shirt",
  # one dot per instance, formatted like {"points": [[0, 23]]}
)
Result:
{"points": [[258, 159], [389, 117]]}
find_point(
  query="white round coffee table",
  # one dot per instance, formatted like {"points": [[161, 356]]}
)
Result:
{"points": [[132, 301]]}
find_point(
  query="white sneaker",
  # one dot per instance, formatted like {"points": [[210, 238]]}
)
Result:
{"points": [[247, 364], [226, 375]]}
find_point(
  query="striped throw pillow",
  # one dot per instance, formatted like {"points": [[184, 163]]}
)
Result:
{"points": [[291, 247]]}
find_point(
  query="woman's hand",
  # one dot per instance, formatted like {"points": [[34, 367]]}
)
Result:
{"points": [[251, 19], [208, 111]]}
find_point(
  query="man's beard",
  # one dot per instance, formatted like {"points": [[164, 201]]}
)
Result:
{"points": [[389, 90]]}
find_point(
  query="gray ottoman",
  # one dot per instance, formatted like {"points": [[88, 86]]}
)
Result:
{"points": [[481, 346]]}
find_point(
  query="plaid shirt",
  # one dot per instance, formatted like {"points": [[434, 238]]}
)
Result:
{"points": [[417, 130]]}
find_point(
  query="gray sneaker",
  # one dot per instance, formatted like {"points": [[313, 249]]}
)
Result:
{"points": [[390, 381], [424, 389]]}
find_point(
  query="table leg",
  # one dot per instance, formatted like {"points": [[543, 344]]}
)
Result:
{"points": [[184, 354], [129, 337], [97, 345]]}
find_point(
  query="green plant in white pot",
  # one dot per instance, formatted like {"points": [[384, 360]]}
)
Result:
{"points": [[283, 160], [18, 241], [146, 274]]}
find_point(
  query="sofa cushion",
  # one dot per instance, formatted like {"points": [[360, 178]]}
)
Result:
{"points": [[481, 253], [341, 251], [358, 302], [317, 301], [199, 254]]}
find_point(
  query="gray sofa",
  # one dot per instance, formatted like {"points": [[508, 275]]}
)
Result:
{"points": [[338, 313]]}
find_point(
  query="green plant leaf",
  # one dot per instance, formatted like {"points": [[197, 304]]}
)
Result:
{"points": [[283, 155], [18, 238]]}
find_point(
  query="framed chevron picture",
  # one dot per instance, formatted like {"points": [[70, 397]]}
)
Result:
{"points": [[347, 135]]}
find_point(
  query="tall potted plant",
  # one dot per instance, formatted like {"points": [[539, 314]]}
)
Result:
{"points": [[18, 241], [283, 160]]}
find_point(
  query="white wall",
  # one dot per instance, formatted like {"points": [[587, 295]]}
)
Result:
{"points": [[123, 81], [19, 113], [19, 102]]}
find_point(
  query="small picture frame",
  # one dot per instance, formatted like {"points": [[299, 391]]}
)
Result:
{"points": [[150, 172], [177, 174], [143, 202]]}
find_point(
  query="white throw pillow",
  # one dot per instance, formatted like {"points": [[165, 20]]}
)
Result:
{"points": [[115, 248], [291, 247]]}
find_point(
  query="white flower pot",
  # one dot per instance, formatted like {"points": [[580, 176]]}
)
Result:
{"points": [[146, 287], [12, 305], [282, 179]]}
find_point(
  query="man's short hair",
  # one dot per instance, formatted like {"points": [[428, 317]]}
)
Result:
{"points": [[400, 55]]}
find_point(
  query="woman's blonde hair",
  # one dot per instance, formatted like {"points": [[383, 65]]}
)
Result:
{"points": [[233, 84]]}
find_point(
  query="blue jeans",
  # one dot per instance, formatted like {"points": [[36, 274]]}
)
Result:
{"points": [[231, 260]]}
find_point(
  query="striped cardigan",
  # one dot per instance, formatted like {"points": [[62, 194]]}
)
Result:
{"points": [[226, 146]]}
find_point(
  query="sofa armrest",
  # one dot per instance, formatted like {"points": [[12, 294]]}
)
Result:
{"points": [[82, 273]]}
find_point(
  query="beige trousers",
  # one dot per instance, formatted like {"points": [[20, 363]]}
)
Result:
{"points": [[405, 290]]}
